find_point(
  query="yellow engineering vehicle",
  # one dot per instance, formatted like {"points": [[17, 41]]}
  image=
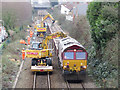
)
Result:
{"points": [[42, 27], [40, 54]]}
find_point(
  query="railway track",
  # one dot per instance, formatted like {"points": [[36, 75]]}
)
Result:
{"points": [[41, 81], [77, 83]]}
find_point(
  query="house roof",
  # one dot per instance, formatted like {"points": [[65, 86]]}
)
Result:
{"points": [[69, 6]]}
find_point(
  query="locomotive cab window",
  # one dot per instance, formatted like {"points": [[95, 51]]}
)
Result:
{"points": [[68, 55], [80, 55]]}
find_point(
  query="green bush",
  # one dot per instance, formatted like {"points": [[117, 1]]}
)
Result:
{"points": [[103, 54], [103, 18]]}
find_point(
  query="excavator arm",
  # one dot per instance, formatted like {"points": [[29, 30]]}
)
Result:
{"points": [[52, 36], [48, 15]]}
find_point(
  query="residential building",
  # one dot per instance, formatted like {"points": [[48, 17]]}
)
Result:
{"points": [[66, 8], [3, 33]]}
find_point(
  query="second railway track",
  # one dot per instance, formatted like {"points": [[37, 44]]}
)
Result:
{"points": [[77, 84], [74, 85]]}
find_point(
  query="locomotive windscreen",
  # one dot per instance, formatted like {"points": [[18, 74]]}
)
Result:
{"points": [[69, 55], [80, 55]]}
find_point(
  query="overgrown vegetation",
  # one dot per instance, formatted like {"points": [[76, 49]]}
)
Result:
{"points": [[103, 54], [9, 21], [16, 17], [80, 31], [16, 14], [103, 18]]}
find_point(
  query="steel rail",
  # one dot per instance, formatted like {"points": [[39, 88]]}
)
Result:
{"points": [[49, 84], [68, 85], [34, 81], [83, 86]]}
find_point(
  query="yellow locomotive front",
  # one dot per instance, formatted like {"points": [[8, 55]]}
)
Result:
{"points": [[72, 56], [74, 60]]}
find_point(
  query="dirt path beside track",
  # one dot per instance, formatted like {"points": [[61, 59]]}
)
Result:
{"points": [[26, 77], [57, 81]]}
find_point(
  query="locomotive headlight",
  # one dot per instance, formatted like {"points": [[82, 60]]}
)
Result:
{"points": [[84, 66], [81, 63], [64, 66], [74, 50]]}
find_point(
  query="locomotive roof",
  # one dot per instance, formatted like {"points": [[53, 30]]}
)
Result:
{"points": [[68, 42]]}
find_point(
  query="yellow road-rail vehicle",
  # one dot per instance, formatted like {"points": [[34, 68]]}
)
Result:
{"points": [[41, 31], [41, 55], [42, 27], [72, 56]]}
